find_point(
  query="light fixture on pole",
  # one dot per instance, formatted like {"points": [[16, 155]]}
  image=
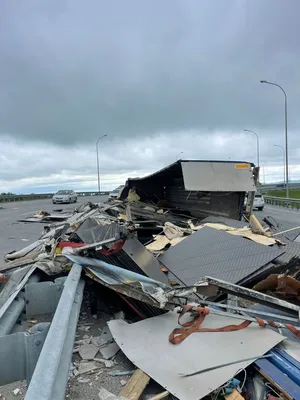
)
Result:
{"points": [[178, 155], [97, 151], [257, 143], [286, 136], [277, 145]]}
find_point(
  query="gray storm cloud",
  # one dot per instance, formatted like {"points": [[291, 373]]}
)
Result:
{"points": [[70, 70]]}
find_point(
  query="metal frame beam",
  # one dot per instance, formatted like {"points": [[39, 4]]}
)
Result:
{"points": [[250, 294]]}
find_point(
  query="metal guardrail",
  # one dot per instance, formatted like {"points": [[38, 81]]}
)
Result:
{"points": [[42, 355], [24, 197], [283, 202], [50, 376]]}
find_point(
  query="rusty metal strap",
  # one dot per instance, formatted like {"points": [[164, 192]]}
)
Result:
{"points": [[198, 315]]}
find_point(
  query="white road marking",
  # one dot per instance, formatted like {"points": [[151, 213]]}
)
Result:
{"points": [[31, 212], [283, 210]]}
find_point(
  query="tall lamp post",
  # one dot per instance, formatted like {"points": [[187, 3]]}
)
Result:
{"points": [[277, 145], [257, 143], [178, 155], [97, 151], [264, 175], [286, 137]]}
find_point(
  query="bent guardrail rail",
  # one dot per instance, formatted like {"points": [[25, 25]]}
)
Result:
{"points": [[42, 354], [283, 202], [50, 377]]}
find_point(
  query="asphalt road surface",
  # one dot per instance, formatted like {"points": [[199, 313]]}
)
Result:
{"points": [[286, 218], [15, 235]]}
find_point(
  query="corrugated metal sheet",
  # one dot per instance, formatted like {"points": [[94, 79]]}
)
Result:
{"points": [[209, 252], [203, 204], [144, 259], [123, 260], [168, 184], [91, 232], [146, 344], [130, 262]]}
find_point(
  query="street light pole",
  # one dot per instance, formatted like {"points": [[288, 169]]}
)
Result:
{"points": [[286, 136], [178, 155], [277, 145], [264, 175], [97, 151], [257, 143]]}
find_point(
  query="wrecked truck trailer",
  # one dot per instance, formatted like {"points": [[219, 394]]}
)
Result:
{"points": [[199, 188], [132, 299]]}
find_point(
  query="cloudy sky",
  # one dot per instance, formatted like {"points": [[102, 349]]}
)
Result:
{"points": [[157, 77]]}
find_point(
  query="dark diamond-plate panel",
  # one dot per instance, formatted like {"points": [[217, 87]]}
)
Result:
{"points": [[291, 250], [218, 254]]}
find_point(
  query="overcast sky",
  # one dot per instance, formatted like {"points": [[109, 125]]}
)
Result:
{"points": [[157, 77]]}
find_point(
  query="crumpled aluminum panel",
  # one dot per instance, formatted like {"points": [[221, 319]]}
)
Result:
{"points": [[144, 259], [135, 257], [121, 280], [92, 232], [209, 252], [146, 344]]}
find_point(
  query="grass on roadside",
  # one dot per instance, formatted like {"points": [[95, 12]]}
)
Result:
{"points": [[293, 193]]}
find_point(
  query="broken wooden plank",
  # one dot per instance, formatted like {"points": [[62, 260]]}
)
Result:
{"points": [[135, 386], [257, 225], [160, 396]]}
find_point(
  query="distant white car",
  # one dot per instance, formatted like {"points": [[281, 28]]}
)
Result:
{"points": [[115, 193], [64, 196], [259, 201]]}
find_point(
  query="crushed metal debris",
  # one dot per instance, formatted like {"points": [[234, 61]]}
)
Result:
{"points": [[168, 267]]}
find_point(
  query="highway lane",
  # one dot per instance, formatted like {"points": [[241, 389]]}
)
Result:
{"points": [[286, 218], [15, 235]]}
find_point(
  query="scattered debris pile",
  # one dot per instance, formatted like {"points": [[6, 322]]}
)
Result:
{"points": [[176, 300]]}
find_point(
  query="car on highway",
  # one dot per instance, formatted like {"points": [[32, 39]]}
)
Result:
{"points": [[259, 201], [115, 193], [64, 196]]}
